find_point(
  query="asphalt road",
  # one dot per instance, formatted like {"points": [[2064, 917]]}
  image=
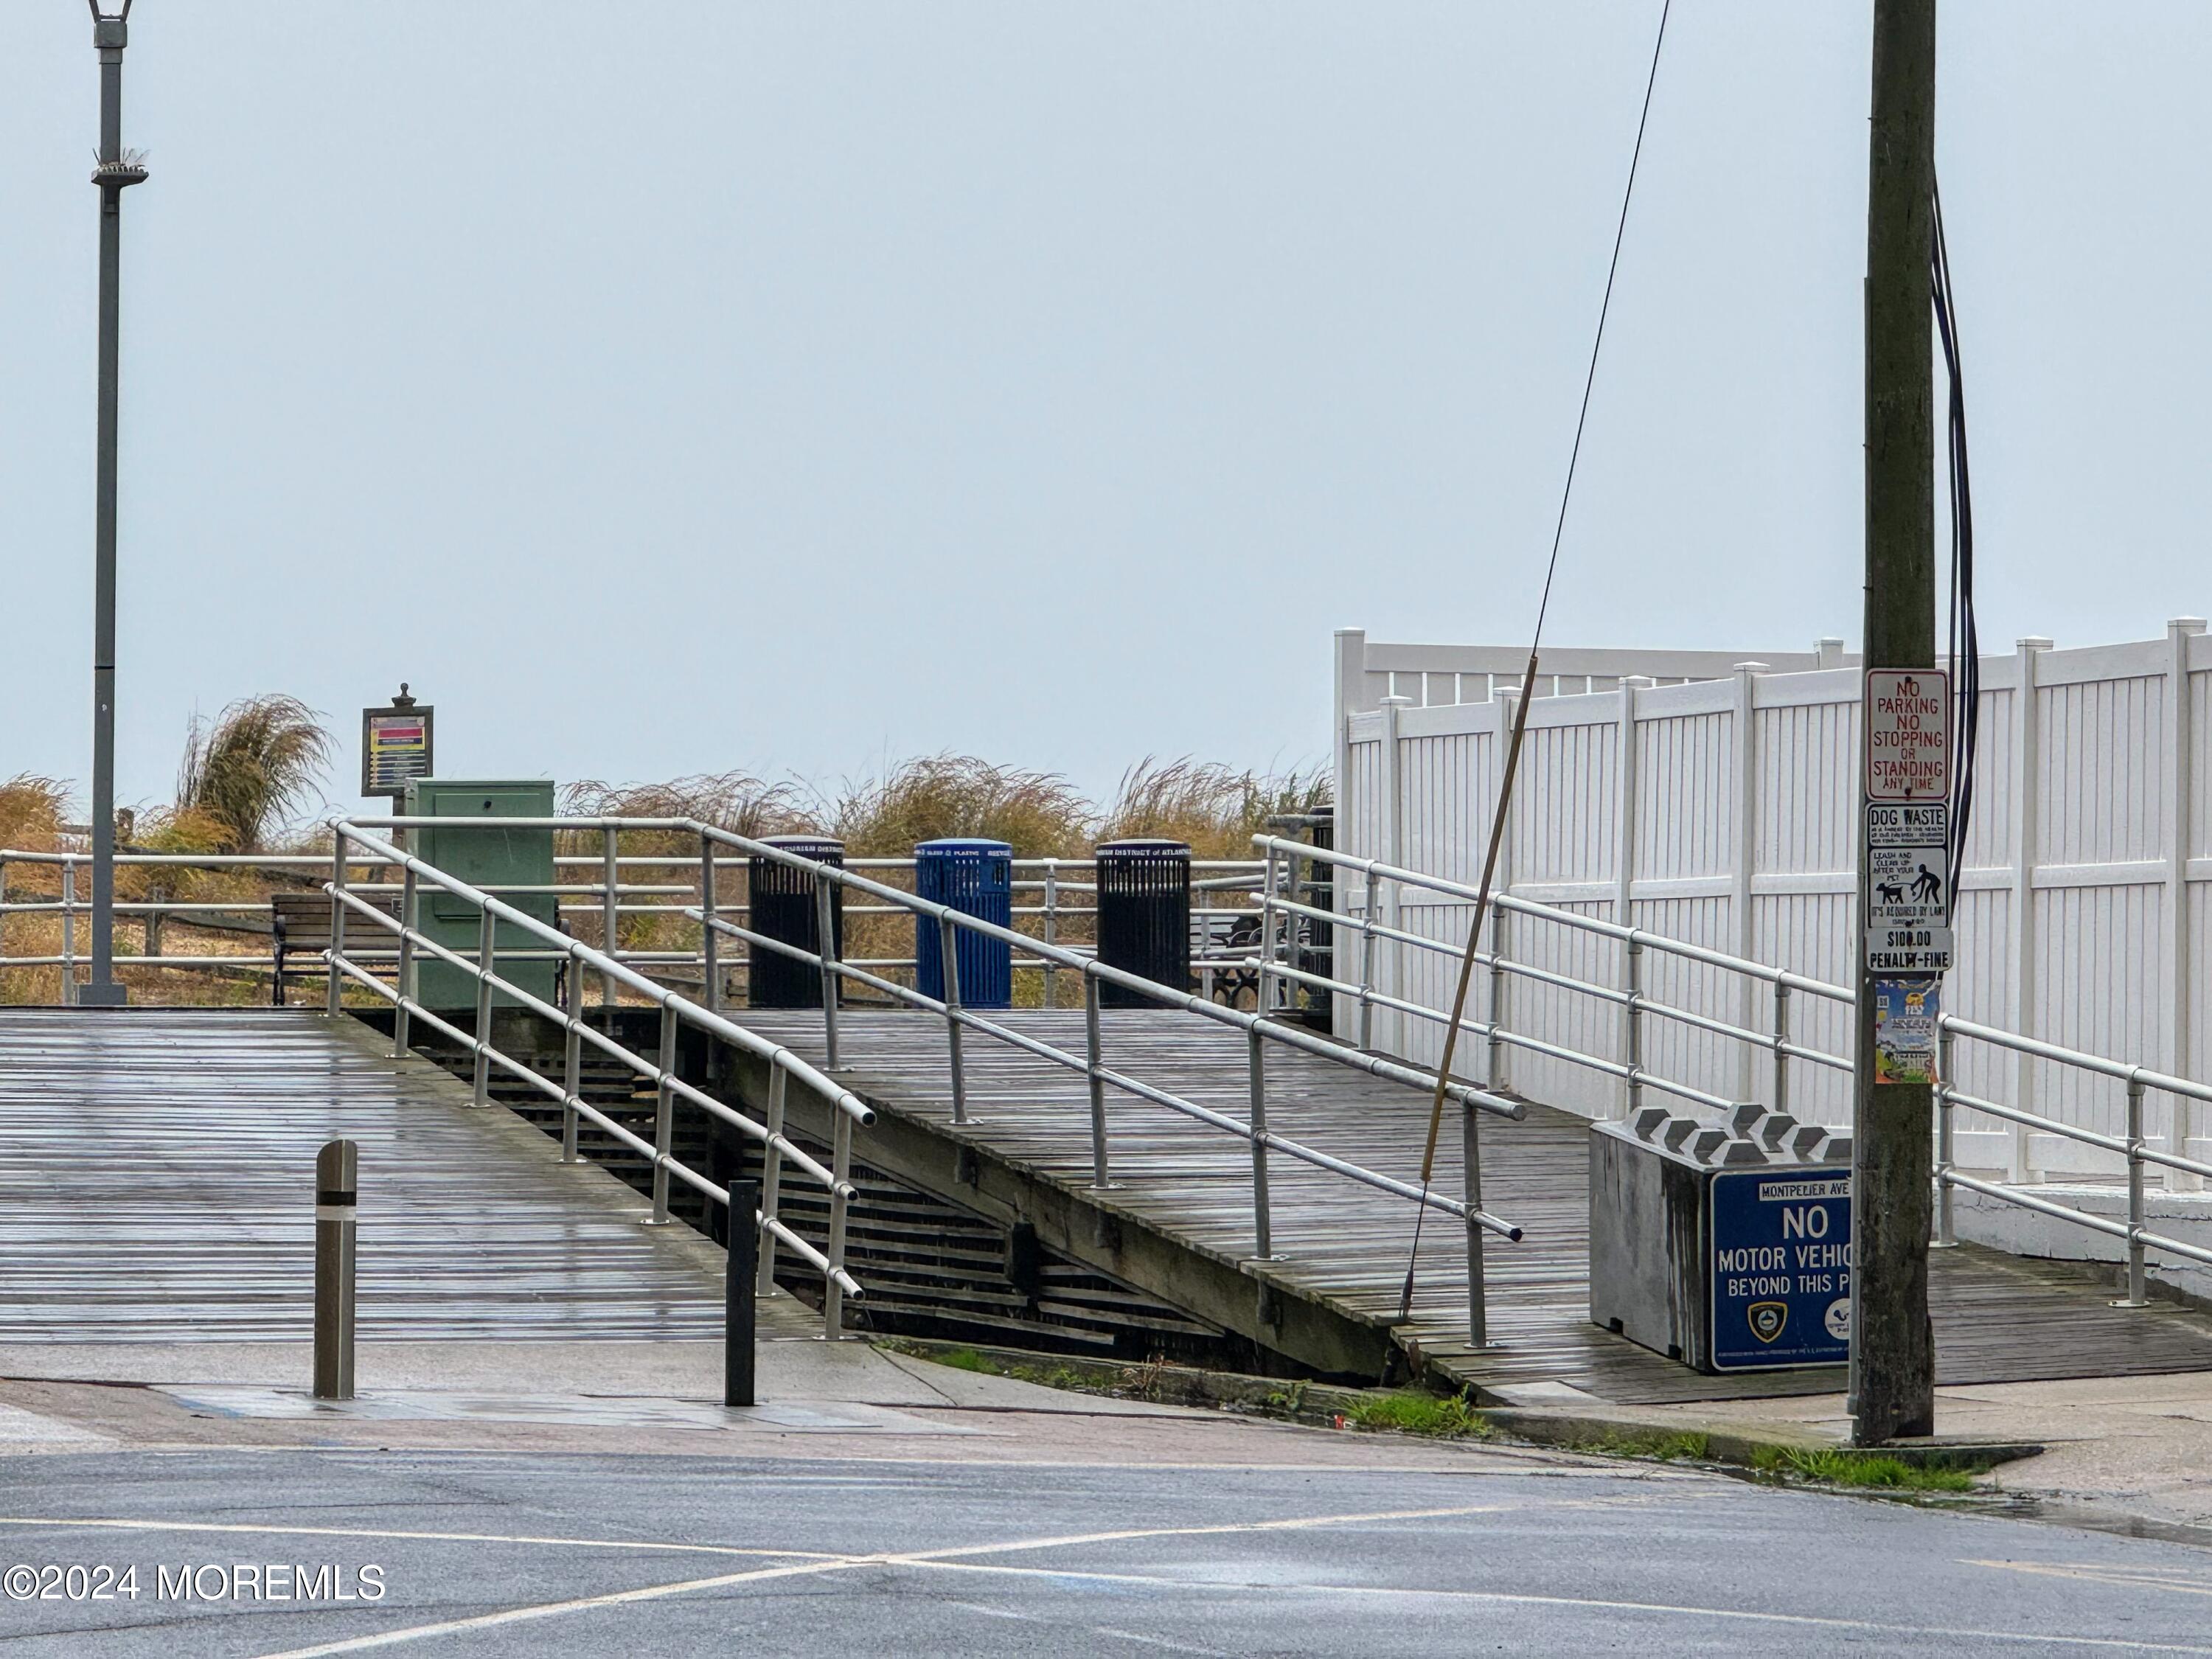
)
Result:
{"points": [[498, 1553]]}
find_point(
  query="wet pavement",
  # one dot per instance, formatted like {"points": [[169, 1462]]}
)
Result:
{"points": [[493, 1553]]}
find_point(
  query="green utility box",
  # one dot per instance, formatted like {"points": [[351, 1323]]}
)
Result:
{"points": [[487, 859]]}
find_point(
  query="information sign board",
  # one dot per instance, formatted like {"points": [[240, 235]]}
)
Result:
{"points": [[1781, 1267], [1907, 729], [395, 746]]}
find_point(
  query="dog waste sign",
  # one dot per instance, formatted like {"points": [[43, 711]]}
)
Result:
{"points": [[1908, 920], [1781, 1267]]}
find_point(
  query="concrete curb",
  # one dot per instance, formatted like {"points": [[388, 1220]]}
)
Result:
{"points": [[1576, 1429], [1731, 1442]]}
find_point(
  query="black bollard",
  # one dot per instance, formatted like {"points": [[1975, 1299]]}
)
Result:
{"points": [[738, 1332], [337, 1171]]}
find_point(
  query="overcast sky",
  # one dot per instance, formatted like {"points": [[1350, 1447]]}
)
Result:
{"points": [[669, 388]]}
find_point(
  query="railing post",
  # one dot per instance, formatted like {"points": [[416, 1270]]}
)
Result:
{"points": [[948, 952], [1633, 1033], [1494, 1076], [337, 1168], [833, 983], [664, 1114], [771, 1175], [1260, 991], [68, 932], [840, 1167], [740, 1324], [487, 962], [1368, 905], [1946, 1137], [3, 913], [572, 1057], [2137, 1220], [1288, 990], [1051, 929], [1095, 1063], [710, 941], [1781, 1102], [1478, 1309], [402, 1031], [333, 994], [610, 921], [1256, 1064]]}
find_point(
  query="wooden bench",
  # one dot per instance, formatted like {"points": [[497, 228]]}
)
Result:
{"points": [[301, 921]]}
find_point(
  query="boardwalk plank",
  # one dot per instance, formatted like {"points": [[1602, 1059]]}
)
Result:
{"points": [[1998, 1318]]}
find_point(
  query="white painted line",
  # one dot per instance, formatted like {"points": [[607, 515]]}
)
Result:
{"points": [[2126, 1578], [554, 1609], [431, 1537], [1929, 1632]]}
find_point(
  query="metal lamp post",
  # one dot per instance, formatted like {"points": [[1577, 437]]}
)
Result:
{"points": [[118, 168]]}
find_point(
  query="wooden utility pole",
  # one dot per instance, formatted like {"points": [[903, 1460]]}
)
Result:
{"points": [[1893, 1350]]}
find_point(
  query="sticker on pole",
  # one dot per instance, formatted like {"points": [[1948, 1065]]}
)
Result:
{"points": [[1906, 1016], [1908, 734]]}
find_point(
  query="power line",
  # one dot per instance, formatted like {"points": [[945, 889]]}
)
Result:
{"points": [[1527, 695]]}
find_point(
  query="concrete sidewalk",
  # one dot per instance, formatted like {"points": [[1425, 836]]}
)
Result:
{"points": [[2118, 1451], [817, 1400]]}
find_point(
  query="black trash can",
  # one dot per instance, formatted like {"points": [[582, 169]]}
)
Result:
{"points": [[784, 907], [1144, 917]]}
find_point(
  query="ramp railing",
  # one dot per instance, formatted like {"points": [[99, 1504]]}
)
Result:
{"points": [[607, 892], [1774, 1047], [411, 945], [1261, 1033]]}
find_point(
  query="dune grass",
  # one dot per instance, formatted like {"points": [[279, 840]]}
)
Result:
{"points": [[251, 767]]}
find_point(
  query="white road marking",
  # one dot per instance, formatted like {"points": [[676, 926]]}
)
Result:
{"points": [[554, 1609], [1157, 1642], [432, 1537], [1276, 1586], [656, 1592], [2126, 1578], [961, 1559]]}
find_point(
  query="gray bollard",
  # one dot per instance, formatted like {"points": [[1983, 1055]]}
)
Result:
{"points": [[337, 1168], [738, 1307]]}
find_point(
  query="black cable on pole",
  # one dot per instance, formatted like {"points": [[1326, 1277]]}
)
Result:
{"points": [[1965, 640], [1528, 685]]}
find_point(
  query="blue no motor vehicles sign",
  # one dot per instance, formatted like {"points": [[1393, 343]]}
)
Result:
{"points": [[1781, 1267]]}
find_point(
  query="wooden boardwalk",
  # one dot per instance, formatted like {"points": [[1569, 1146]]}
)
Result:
{"points": [[156, 1184], [1998, 1318]]}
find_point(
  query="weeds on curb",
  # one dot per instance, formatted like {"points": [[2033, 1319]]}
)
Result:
{"points": [[1444, 1416], [1867, 1471]]}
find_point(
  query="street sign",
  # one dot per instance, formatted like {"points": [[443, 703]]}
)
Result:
{"points": [[395, 746], [1908, 861], [1907, 730], [1781, 1267]]}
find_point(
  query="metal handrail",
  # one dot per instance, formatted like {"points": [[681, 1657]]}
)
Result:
{"points": [[847, 1109], [1057, 897], [1259, 1030], [1635, 1003]]}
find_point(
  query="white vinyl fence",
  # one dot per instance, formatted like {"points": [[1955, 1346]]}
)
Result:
{"points": [[1718, 810]]}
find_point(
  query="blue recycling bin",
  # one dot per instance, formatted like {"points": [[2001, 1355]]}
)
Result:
{"points": [[976, 877]]}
